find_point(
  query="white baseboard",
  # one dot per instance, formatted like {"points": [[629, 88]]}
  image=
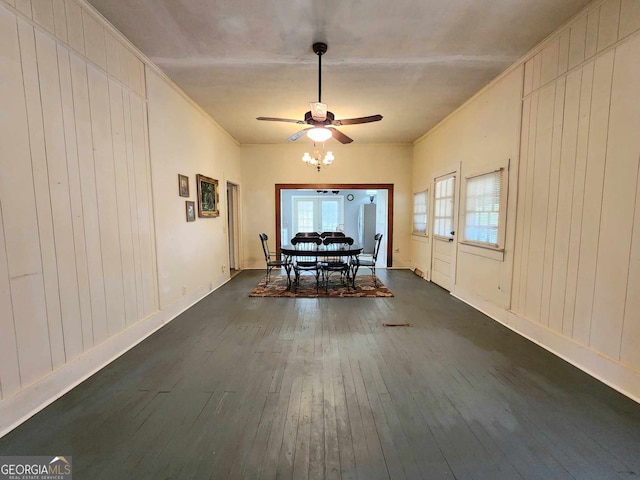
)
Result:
{"points": [[609, 371], [28, 401]]}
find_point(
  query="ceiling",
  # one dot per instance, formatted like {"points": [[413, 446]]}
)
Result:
{"points": [[412, 61]]}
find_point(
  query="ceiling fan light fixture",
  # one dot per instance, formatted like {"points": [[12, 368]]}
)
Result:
{"points": [[319, 134]]}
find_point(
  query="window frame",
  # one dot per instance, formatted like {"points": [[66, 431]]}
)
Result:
{"points": [[502, 209], [415, 232]]}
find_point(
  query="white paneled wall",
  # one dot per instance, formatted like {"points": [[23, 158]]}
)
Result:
{"points": [[77, 261], [577, 266]]}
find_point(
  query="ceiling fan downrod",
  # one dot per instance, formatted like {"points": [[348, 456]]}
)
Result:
{"points": [[320, 49]]}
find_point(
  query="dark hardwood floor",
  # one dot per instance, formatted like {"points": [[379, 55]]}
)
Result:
{"points": [[241, 387]]}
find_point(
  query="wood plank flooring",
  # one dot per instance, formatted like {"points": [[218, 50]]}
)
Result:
{"points": [[240, 387]]}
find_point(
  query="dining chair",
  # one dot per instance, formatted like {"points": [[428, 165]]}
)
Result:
{"points": [[335, 261], [309, 262], [370, 262], [272, 259]]}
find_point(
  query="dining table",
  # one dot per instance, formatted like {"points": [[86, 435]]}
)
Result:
{"points": [[349, 252]]}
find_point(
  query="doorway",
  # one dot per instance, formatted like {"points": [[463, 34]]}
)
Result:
{"points": [[384, 211], [445, 219], [233, 226]]}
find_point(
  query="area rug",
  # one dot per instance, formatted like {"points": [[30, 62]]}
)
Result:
{"points": [[277, 287]]}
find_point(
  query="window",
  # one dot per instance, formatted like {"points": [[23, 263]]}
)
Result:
{"points": [[317, 214], [443, 206], [420, 212], [484, 209]]}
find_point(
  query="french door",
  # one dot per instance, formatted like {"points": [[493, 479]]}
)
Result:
{"points": [[445, 219]]}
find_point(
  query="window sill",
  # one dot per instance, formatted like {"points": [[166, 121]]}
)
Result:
{"points": [[487, 251]]}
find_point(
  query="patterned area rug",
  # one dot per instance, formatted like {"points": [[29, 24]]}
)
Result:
{"points": [[278, 288]]}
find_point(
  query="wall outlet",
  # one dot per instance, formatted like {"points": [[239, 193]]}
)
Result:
{"points": [[184, 290], [210, 286], [396, 250], [223, 268]]}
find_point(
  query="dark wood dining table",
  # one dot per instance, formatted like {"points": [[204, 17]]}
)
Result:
{"points": [[351, 252]]}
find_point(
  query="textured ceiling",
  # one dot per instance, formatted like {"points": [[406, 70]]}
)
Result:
{"points": [[412, 61]]}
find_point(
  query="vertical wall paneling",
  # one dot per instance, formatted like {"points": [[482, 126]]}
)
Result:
{"points": [[591, 40], [629, 351], [107, 201], [75, 29], [563, 52], [527, 193], [143, 204], [113, 57], [516, 287], [24, 7], [552, 210], [60, 20], [14, 199], [578, 197], [75, 197], [618, 202], [549, 62], [41, 185], [565, 193], [43, 14], [540, 198], [9, 367], [577, 42], [608, 25], [88, 188], [598, 129], [132, 216], [50, 97], [79, 266], [122, 198], [94, 40], [20, 231], [629, 17]]}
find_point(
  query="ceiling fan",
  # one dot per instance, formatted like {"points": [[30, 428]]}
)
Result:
{"points": [[320, 119]]}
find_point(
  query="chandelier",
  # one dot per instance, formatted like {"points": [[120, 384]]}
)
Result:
{"points": [[316, 159]]}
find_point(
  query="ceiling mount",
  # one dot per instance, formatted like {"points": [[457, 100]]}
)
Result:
{"points": [[320, 48]]}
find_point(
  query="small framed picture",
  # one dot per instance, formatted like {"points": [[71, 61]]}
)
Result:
{"points": [[183, 185], [207, 196], [191, 211]]}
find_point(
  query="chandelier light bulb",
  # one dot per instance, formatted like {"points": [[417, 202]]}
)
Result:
{"points": [[319, 134]]}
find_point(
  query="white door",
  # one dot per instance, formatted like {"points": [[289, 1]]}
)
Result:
{"points": [[445, 219]]}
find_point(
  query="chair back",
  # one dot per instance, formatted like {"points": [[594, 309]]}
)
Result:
{"points": [[335, 244], [306, 242], [332, 234], [309, 244], [265, 246], [378, 239], [307, 235]]}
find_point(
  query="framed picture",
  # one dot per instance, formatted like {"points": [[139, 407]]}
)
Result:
{"points": [[183, 185], [208, 197], [191, 211]]}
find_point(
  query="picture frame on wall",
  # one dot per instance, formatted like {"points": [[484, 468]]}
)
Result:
{"points": [[208, 196], [183, 185], [190, 210]]}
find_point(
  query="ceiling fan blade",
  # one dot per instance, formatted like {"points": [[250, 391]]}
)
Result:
{"points": [[297, 135], [338, 135], [272, 119], [354, 121]]}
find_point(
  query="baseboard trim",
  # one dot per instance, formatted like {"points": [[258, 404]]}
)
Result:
{"points": [[28, 401]]}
